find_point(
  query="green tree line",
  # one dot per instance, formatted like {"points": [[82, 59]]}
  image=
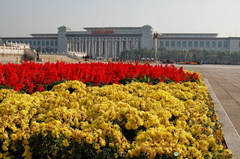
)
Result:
{"points": [[205, 56]]}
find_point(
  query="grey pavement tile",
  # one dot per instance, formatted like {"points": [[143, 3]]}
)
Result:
{"points": [[231, 107], [235, 96], [235, 118]]}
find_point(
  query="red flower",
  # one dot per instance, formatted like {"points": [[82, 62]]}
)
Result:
{"points": [[40, 88], [29, 75]]}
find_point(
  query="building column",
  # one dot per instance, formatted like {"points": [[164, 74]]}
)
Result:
{"points": [[95, 47], [112, 47], [116, 47], [82, 45], [134, 43], [139, 43], [76, 45], [108, 47], [92, 47], [69, 45], [73, 45], [79, 45], [99, 47], [105, 47], [85, 45], [120, 47], [89, 48], [127, 43]]}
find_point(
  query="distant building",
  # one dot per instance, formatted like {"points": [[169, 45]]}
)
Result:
{"points": [[189, 41], [111, 41], [40, 42]]}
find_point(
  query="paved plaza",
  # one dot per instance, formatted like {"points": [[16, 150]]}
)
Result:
{"points": [[224, 80]]}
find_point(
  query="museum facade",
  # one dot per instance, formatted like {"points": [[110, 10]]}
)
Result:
{"points": [[111, 41]]}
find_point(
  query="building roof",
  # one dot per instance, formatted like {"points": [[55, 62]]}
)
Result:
{"points": [[91, 28], [44, 35], [190, 35], [27, 38]]}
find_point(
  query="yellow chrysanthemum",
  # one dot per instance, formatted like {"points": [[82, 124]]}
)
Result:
{"points": [[65, 143], [14, 136]]}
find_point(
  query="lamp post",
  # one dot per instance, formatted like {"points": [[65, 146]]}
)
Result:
{"points": [[155, 37], [186, 55]]}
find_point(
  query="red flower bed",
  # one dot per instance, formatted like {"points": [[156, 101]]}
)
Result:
{"points": [[31, 77]]}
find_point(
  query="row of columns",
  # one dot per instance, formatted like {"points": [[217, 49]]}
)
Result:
{"points": [[103, 46]]}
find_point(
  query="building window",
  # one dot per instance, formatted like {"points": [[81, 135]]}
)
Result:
{"points": [[213, 43], [201, 44], [178, 43], [30, 42], [161, 44], [51, 43], [219, 44], [172, 43], [38, 43], [167, 43], [34, 43], [47, 43], [208, 44], [43, 43], [56, 43], [225, 44], [195, 43], [184, 44], [190, 44]]}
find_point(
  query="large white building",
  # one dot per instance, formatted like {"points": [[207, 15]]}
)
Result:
{"points": [[104, 42], [199, 41], [111, 41]]}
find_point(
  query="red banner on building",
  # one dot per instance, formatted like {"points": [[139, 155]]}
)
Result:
{"points": [[103, 31]]}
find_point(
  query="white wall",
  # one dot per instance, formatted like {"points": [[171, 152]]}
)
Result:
{"points": [[147, 40], [234, 45], [62, 39]]}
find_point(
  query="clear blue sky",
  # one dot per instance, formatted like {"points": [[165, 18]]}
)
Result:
{"points": [[23, 17]]}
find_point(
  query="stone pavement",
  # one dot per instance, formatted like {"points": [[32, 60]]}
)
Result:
{"points": [[224, 85]]}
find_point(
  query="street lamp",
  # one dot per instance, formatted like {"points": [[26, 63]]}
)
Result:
{"points": [[186, 55], [155, 37]]}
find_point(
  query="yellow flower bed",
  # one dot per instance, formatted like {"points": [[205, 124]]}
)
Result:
{"points": [[116, 121]]}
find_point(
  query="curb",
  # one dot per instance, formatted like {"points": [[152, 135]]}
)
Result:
{"points": [[231, 136]]}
